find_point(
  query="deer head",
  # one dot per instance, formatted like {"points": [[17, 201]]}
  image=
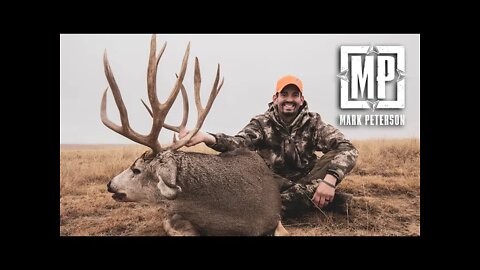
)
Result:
{"points": [[154, 173]]}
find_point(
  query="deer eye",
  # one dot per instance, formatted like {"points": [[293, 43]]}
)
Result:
{"points": [[136, 171]]}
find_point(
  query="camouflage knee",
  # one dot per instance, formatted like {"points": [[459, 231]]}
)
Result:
{"points": [[297, 198]]}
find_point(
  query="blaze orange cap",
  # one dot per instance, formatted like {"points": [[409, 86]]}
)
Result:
{"points": [[289, 79]]}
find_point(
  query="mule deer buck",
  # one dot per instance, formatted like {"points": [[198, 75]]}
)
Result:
{"points": [[228, 194]]}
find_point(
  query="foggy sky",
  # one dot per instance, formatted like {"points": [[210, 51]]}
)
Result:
{"points": [[250, 64]]}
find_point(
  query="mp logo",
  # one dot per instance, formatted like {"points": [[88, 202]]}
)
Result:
{"points": [[372, 77]]}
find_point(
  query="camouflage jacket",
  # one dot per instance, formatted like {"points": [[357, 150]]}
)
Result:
{"points": [[290, 150]]}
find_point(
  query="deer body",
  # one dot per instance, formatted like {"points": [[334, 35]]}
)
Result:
{"points": [[227, 194]]}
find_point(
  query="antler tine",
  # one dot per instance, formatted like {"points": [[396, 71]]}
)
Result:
{"points": [[185, 107], [153, 62], [214, 92], [160, 111], [173, 94], [148, 108], [185, 112], [202, 112], [116, 91], [125, 129]]}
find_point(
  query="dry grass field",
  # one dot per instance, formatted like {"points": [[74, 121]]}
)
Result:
{"points": [[385, 184]]}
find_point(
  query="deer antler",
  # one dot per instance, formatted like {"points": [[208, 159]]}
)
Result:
{"points": [[201, 111], [185, 112], [159, 110]]}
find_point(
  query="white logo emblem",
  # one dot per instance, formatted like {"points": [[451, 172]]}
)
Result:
{"points": [[381, 65]]}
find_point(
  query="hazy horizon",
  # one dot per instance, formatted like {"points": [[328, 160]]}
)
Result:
{"points": [[132, 143], [251, 65]]}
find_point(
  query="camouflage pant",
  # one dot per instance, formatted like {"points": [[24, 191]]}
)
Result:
{"points": [[296, 196]]}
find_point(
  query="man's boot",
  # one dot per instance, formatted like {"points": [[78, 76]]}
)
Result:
{"points": [[341, 202]]}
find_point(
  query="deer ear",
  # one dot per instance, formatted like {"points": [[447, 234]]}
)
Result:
{"points": [[167, 179], [167, 172]]}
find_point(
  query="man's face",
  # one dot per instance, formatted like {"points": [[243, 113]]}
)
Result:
{"points": [[288, 100]]}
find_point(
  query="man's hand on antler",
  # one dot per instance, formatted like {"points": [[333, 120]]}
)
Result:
{"points": [[200, 137]]}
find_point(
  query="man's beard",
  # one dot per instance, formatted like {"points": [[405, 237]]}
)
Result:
{"points": [[291, 112]]}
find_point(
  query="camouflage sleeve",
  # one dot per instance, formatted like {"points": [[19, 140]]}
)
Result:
{"points": [[329, 139], [250, 136]]}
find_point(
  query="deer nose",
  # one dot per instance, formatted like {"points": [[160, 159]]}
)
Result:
{"points": [[109, 188]]}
